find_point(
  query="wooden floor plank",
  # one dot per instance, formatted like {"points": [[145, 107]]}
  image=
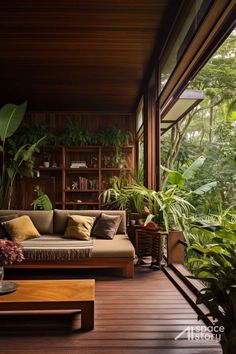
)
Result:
{"points": [[132, 316], [115, 351]]}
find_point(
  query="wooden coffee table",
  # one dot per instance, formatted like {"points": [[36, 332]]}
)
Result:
{"points": [[53, 295]]}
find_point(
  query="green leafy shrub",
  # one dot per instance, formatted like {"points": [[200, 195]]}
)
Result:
{"points": [[42, 202], [216, 267]]}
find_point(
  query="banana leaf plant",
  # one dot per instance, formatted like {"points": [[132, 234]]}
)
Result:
{"points": [[14, 160], [182, 180], [217, 269]]}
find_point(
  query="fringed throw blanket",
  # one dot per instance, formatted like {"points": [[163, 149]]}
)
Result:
{"points": [[53, 248]]}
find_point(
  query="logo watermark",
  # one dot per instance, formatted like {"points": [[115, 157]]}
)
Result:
{"points": [[198, 333]]}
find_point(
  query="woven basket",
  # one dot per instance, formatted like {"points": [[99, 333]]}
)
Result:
{"points": [[149, 243]]}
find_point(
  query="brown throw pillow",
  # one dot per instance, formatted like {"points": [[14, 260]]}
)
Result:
{"points": [[79, 227], [106, 226], [21, 228], [3, 232]]}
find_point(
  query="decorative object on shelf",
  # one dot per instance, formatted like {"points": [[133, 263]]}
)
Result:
{"points": [[46, 162], [54, 164], [78, 201], [94, 162], [75, 185], [42, 202], [10, 252]]}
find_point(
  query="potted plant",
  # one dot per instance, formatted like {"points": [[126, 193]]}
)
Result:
{"points": [[46, 162], [42, 202]]}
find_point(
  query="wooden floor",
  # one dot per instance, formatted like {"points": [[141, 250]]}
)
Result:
{"points": [[132, 316]]}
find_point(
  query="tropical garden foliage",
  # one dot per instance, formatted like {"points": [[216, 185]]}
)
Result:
{"points": [[199, 156], [209, 131]]}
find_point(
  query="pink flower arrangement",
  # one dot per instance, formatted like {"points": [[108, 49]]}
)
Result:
{"points": [[10, 252]]}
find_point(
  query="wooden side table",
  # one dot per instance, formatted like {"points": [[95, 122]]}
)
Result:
{"points": [[149, 243]]}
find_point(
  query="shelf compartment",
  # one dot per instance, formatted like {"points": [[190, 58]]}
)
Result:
{"points": [[82, 203], [81, 191], [81, 170]]}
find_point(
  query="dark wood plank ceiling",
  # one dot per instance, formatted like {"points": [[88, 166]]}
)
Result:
{"points": [[77, 55]]}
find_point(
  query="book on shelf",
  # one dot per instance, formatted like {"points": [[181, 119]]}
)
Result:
{"points": [[85, 184], [78, 164]]}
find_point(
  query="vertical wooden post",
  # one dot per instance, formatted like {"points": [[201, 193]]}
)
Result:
{"points": [[150, 136], [175, 250], [157, 130]]}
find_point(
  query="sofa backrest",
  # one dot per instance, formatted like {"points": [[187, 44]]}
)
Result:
{"points": [[42, 219], [60, 218], [55, 221]]}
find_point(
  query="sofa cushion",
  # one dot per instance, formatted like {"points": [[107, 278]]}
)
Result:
{"points": [[79, 227], [42, 219], [60, 218], [3, 232], [119, 247], [106, 226], [56, 248], [21, 228]]}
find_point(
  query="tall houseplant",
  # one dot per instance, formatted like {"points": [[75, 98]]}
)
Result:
{"points": [[14, 160]]}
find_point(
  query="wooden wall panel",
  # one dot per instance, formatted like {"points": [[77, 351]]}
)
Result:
{"points": [[77, 55], [87, 120]]}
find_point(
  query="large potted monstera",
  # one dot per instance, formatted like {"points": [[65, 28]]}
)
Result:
{"points": [[14, 160]]}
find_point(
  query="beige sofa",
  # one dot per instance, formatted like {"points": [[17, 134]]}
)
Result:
{"points": [[115, 253]]}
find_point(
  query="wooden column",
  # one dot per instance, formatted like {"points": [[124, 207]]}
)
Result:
{"points": [[158, 131], [150, 137]]}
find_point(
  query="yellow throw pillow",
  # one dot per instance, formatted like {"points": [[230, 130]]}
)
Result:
{"points": [[79, 227], [21, 228]]}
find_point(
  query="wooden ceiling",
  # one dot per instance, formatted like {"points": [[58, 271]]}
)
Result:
{"points": [[77, 55]]}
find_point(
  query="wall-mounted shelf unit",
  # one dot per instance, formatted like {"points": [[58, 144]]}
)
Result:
{"points": [[82, 173]]}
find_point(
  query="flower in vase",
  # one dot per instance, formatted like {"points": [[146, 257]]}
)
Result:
{"points": [[10, 252]]}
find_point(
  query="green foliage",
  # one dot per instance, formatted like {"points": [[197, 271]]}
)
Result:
{"points": [[35, 132], [42, 202], [169, 207], [216, 267], [14, 160], [11, 117], [74, 134], [211, 133], [112, 137]]}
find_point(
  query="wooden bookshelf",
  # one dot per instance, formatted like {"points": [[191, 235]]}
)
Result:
{"points": [[80, 187]]}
